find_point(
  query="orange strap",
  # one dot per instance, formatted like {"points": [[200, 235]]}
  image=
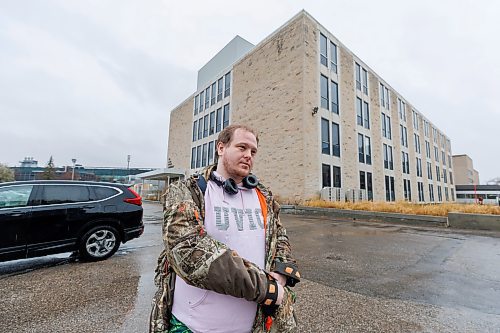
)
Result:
{"points": [[263, 206]]}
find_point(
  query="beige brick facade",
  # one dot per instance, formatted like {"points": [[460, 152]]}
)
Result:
{"points": [[276, 86]]}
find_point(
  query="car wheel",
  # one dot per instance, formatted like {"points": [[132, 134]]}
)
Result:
{"points": [[99, 243]]}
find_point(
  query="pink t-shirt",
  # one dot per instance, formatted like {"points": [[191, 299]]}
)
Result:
{"points": [[235, 220]]}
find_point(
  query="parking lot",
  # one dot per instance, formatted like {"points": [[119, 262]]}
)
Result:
{"points": [[358, 277]]}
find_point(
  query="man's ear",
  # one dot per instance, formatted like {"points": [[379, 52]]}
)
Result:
{"points": [[220, 148]]}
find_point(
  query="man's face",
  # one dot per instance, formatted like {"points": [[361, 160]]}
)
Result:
{"points": [[238, 155]]}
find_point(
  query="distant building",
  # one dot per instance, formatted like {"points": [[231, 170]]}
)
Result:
{"points": [[328, 124], [465, 174], [490, 194]]}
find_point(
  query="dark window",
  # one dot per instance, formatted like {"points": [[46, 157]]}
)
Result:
{"points": [[335, 96], [207, 97], [326, 175], [324, 92], [204, 155], [361, 148], [198, 156], [368, 150], [202, 94], [369, 185], [359, 111], [225, 118], [323, 50], [333, 57], [358, 76], [196, 105], [195, 130], [337, 177], [335, 139], [212, 123], [325, 136], [227, 84], [212, 100], [205, 126], [218, 118], [200, 128], [210, 152], [362, 180], [219, 89], [193, 157], [15, 196], [58, 194], [103, 192], [365, 82], [366, 115]]}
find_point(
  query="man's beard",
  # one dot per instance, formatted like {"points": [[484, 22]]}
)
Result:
{"points": [[234, 172]]}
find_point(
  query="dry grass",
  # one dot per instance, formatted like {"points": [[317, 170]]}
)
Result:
{"points": [[404, 207]]}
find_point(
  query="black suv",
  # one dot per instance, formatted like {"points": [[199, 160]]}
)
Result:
{"points": [[46, 217]]}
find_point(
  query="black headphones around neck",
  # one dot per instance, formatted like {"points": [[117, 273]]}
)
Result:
{"points": [[229, 185]]}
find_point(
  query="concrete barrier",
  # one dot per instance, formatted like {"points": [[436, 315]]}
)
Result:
{"points": [[396, 218], [474, 221]]}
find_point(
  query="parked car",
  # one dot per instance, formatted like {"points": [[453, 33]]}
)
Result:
{"points": [[38, 218]]}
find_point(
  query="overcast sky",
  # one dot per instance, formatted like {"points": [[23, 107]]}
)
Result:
{"points": [[96, 80]]}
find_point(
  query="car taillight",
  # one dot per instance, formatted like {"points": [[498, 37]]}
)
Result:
{"points": [[134, 201]]}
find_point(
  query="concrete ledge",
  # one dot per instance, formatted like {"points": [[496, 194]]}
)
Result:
{"points": [[426, 220], [474, 221]]}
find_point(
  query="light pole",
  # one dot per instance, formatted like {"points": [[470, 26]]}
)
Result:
{"points": [[73, 173], [128, 168]]}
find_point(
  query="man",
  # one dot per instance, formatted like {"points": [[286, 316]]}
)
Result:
{"points": [[227, 264]]}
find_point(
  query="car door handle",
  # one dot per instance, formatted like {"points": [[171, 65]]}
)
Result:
{"points": [[16, 213]]}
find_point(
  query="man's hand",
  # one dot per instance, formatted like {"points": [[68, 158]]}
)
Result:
{"points": [[281, 279]]}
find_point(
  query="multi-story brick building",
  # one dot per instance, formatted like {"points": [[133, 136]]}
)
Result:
{"points": [[325, 119]]}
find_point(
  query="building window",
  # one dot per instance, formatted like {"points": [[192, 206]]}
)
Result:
{"points": [[200, 128], [390, 194], [358, 76], [196, 105], [415, 120], [326, 175], [451, 178], [195, 130], [325, 136], [193, 157], [406, 162], [202, 94], [335, 97], [440, 195], [388, 160], [368, 151], [333, 57], [445, 177], [365, 81], [324, 92], [452, 195], [402, 110], [337, 177], [212, 123], [218, 118], [436, 154], [204, 156], [198, 156], [369, 186], [359, 111], [207, 98], [212, 100], [419, 167], [384, 97], [335, 139], [361, 148], [438, 174], [225, 117], [219, 89], [362, 180], [427, 149], [420, 186], [210, 152], [426, 128], [443, 157], [366, 115], [205, 126], [446, 194], [363, 113], [227, 84], [404, 136], [407, 189], [416, 138], [449, 161], [429, 170], [386, 126], [323, 47]]}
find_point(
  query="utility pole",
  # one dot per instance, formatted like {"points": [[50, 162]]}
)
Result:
{"points": [[73, 172], [128, 167]]}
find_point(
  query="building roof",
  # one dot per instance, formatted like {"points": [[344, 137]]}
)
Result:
{"points": [[477, 188]]}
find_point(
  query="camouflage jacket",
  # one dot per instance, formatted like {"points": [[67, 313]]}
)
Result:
{"points": [[202, 261]]}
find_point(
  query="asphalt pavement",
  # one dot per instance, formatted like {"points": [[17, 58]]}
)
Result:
{"points": [[357, 277]]}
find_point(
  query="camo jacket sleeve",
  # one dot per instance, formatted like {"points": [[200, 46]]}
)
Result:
{"points": [[283, 263], [202, 261]]}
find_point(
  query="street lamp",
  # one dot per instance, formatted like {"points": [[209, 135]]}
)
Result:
{"points": [[73, 173], [128, 168]]}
